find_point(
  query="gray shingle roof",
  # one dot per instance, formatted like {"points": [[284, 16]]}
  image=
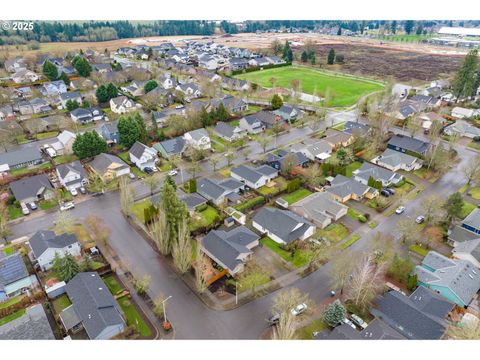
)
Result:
{"points": [[93, 303], [409, 143], [138, 149], [282, 223], [198, 134], [471, 247], [253, 174], [74, 166], [473, 219], [34, 325], [30, 187], [226, 246], [17, 157], [12, 269], [460, 234], [368, 170], [224, 129], [343, 186], [46, 239], [395, 158], [103, 161], [173, 146]]}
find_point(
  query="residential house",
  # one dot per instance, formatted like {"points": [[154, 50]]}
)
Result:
{"points": [[375, 330], [282, 226], [64, 143], [420, 316], [252, 124], [84, 116], [171, 147], [395, 161], [427, 119], [33, 325], [236, 63], [429, 101], [93, 307], [121, 105], [45, 245], [81, 83], [345, 189], [338, 139], [230, 249], [456, 280], [219, 192], [193, 201], [408, 144], [102, 68], [198, 139], [13, 65], [167, 81], [24, 76], [207, 62], [282, 160], [289, 113], [321, 208], [53, 88], [371, 171], [472, 221], [33, 188], [190, 89], [235, 84], [469, 251], [356, 128], [72, 175], [109, 132], [228, 132], [136, 88], [318, 151], [254, 178], [232, 104], [259, 61], [14, 276], [7, 113], [109, 167], [64, 98], [21, 158], [463, 113], [143, 156], [458, 234], [275, 60], [463, 129]]}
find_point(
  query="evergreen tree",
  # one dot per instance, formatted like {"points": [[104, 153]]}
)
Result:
{"points": [[72, 105], [89, 144], [131, 128], [150, 85], [221, 113], [313, 59], [287, 52], [331, 57], [466, 79], [102, 94], [82, 66], [393, 26], [69, 268], [112, 91], [334, 314], [276, 102], [175, 209], [409, 24], [50, 70], [205, 117], [64, 77], [339, 32], [304, 56], [454, 206]]}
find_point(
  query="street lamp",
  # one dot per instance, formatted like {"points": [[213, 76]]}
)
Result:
{"points": [[164, 310]]}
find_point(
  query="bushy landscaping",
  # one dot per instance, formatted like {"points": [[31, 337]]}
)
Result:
{"points": [[353, 239], [138, 209], [247, 205], [419, 250], [280, 186], [12, 316]]}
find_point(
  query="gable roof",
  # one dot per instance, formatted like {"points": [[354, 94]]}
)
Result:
{"points": [[34, 325], [473, 219], [46, 239], [343, 186], [12, 269], [409, 143], [138, 149], [471, 247], [93, 303], [224, 129], [74, 166], [102, 162], [30, 186], [198, 134], [320, 205], [253, 174], [17, 157], [285, 224], [227, 246], [172, 146], [368, 170], [394, 158]]}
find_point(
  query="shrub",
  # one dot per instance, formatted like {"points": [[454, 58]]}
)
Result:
{"points": [[362, 218], [293, 185], [250, 204]]}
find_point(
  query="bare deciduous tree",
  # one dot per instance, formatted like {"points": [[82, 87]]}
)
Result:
{"points": [[253, 277], [408, 228], [286, 300], [432, 208], [126, 196], [160, 232], [201, 263], [285, 329], [63, 222], [472, 169], [182, 248], [99, 229], [469, 331], [342, 266]]}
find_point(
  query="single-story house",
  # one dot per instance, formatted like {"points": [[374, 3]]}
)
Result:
{"points": [[93, 307], [320, 208], [408, 144], [469, 251], [198, 139], [344, 189], [45, 245], [378, 173], [218, 192], [228, 132], [24, 76], [318, 151], [356, 128], [230, 249], [64, 98], [33, 188], [171, 147], [283, 159], [456, 280], [459, 234], [108, 166], [72, 175], [463, 113], [462, 128], [143, 156], [282, 226], [395, 161], [33, 325], [21, 158], [232, 104], [472, 221], [338, 139], [14, 276], [288, 113], [254, 178]]}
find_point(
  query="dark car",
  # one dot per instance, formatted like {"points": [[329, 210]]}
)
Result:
{"points": [[385, 193], [390, 190], [148, 170], [274, 319]]}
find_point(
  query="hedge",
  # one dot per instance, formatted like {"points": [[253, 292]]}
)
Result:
{"points": [[250, 204], [258, 68]]}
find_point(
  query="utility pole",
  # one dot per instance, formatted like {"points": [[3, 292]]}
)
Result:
{"points": [[164, 309]]}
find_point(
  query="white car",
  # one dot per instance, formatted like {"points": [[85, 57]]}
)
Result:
{"points": [[74, 192], [349, 323], [400, 210], [172, 172], [131, 175], [33, 206], [420, 219], [297, 310], [359, 321], [25, 210], [67, 206]]}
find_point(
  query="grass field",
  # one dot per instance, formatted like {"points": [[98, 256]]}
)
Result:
{"points": [[12, 317], [296, 196], [467, 209], [133, 317], [344, 91]]}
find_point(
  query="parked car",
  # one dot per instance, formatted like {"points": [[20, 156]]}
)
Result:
{"points": [[74, 192], [358, 321], [351, 324], [420, 219], [390, 190], [400, 210], [274, 319], [385, 193], [33, 206], [172, 172], [25, 210], [299, 309], [131, 176], [82, 190], [332, 293], [148, 170], [67, 206]]}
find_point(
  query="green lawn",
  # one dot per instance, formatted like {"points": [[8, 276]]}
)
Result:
{"points": [[133, 317], [475, 192], [296, 196], [354, 238], [419, 250], [9, 250], [280, 185], [14, 212], [125, 157], [47, 204], [345, 91], [352, 167], [275, 247], [61, 303], [112, 284], [13, 316], [372, 224], [299, 259], [306, 332], [467, 209], [333, 232], [463, 188], [207, 217], [11, 301], [138, 209], [23, 171], [47, 135], [63, 159]]}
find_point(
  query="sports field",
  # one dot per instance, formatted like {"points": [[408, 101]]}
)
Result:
{"points": [[345, 91]]}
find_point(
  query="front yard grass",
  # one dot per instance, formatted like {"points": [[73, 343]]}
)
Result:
{"points": [[138, 209], [333, 232], [275, 247], [475, 192], [11, 302], [83, 236], [133, 317], [47, 204], [297, 195], [463, 188], [26, 170], [61, 303], [467, 209], [14, 212], [279, 186], [224, 172], [418, 249], [426, 174], [306, 332], [46, 135], [353, 239], [63, 159], [112, 284], [12, 316], [207, 217]]}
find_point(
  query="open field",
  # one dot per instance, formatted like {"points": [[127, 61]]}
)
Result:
{"points": [[344, 93]]}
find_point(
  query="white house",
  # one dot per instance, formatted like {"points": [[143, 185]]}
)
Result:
{"points": [[318, 151], [72, 175], [64, 143], [143, 156], [198, 139], [468, 250], [396, 160], [45, 244], [254, 178], [463, 113], [121, 105]]}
